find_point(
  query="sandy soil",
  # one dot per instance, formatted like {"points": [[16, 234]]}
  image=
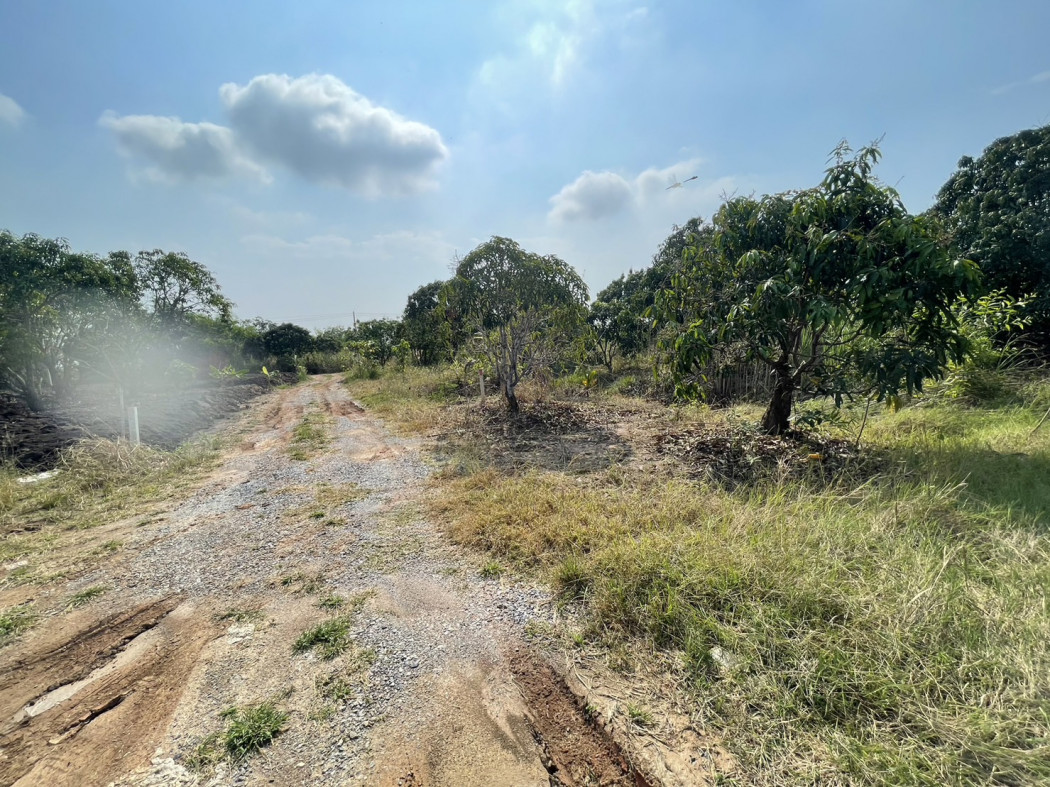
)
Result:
{"points": [[437, 685]]}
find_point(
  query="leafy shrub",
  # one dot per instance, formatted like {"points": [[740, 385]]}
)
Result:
{"points": [[317, 362]]}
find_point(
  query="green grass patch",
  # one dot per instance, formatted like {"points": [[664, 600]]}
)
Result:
{"points": [[247, 730], [85, 596], [888, 629], [329, 639], [309, 436], [332, 601], [301, 582], [14, 621]]}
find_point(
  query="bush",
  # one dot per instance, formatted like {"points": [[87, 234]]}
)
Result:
{"points": [[318, 362]]}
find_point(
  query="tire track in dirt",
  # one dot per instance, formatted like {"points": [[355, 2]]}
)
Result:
{"points": [[124, 673]]}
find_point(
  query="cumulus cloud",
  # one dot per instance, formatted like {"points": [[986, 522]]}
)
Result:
{"points": [[593, 195], [315, 126], [10, 113], [655, 180], [176, 150], [597, 195], [324, 131]]}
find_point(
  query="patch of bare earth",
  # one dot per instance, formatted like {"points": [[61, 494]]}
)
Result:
{"points": [[430, 684]]}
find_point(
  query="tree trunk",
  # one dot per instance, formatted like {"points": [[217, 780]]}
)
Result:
{"points": [[777, 419], [511, 397], [31, 394]]}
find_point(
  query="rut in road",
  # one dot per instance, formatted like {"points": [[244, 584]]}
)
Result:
{"points": [[314, 502]]}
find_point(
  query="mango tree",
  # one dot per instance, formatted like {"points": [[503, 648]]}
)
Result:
{"points": [[836, 289], [522, 307], [997, 209]]}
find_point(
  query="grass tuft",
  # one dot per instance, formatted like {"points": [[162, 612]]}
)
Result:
{"points": [[84, 596], [248, 730], [329, 639], [15, 620]]}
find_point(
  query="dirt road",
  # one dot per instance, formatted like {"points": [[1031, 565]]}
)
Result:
{"points": [[313, 516]]}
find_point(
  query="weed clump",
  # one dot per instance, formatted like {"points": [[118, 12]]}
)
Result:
{"points": [[248, 730], [84, 596], [14, 621], [329, 638]]}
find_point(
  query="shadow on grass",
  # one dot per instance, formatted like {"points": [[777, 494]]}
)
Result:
{"points": [[1012, 487], [557, 436]]}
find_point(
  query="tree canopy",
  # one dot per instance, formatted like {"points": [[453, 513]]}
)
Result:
{"points": [[423, 326], [836, 289], [519, 305], [620, 317], [287, 339], [173, 287], [997, 208]]}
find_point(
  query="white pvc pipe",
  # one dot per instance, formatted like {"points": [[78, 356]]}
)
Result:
{"points": [[133, 425]]}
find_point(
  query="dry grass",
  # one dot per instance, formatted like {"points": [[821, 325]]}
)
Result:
{"points": [[98, 481], [876, 629], [412, 401]]}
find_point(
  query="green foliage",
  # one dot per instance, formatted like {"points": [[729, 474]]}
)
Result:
{"points": [[992, 371], [523, 308], [247, 731], [14, 621], [318, 362], [997, 209], [836, 289], [66, 317], [428, 334], [173, 287], [287, 339], [330, 340], [376, 339], [55, 305], [620, 319], [329, 638]]}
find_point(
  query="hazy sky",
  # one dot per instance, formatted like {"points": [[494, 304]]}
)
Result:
{"points": [[323, 158]]}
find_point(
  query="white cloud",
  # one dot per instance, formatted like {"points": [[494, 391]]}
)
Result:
{"points": [[1035, 79], [321, 129], [10, 112], [593, 195], [315, 126], [175, 150], [557, 39], [598, 195]]}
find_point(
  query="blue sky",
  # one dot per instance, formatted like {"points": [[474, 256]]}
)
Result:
{"points": [[327, 158]]}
